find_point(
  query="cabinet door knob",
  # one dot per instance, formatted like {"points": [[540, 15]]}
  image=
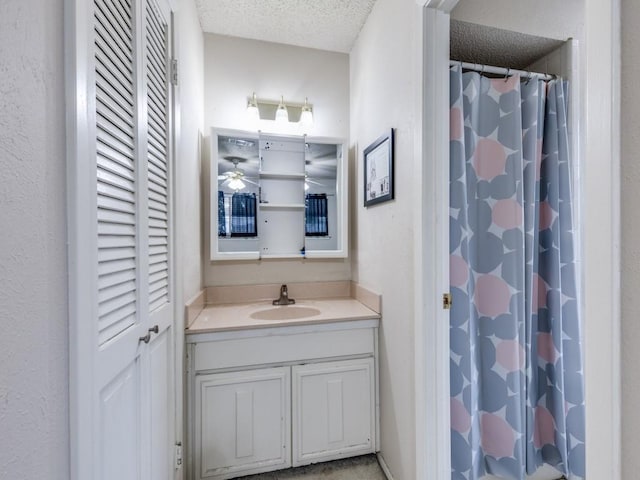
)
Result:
{"points": [[154, 329]]}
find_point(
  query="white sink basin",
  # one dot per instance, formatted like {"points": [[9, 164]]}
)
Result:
{"points": [[288, 312]]}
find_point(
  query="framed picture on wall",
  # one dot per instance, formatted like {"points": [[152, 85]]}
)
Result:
{"points": [[378, 170]]}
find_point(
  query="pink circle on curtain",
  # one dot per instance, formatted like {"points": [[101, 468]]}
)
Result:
{"points": [[510, 354], [489, 159], [460, 418], [456, 124], [501, 85], [458, 271], [491, 296], [547, 215], [507, 214], [546, 347], [498, 439], [544, 428]]}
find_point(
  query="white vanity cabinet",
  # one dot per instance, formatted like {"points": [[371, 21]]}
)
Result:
{"points": [[269, 398]]}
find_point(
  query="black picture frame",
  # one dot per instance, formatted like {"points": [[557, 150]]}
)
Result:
{"points": [[378, 170]]}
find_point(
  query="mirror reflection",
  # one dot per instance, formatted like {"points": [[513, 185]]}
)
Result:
{"points": [[238, 192], [321, 175]]}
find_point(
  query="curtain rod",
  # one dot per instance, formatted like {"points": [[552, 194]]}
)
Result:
{"points": [[500, 70]]}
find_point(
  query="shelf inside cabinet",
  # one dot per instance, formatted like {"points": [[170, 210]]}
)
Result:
{"points": [[282, 256], [282, 205], [283, 175]]}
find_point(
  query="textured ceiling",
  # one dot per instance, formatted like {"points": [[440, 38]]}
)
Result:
{"points": [[492, 46], [323, 24]]}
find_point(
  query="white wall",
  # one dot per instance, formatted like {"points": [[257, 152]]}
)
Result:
{"points": [[235, 68], [591, 22], [34, 439], [383, 84], [630, 128], [190, 55]]}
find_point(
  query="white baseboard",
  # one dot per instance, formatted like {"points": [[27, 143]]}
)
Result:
{"points": [[384, 467]]}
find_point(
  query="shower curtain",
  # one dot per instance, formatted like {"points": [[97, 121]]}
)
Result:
{"points": [[517, 395]]}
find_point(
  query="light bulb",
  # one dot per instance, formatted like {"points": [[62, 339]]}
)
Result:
{"points": [[306, 116], [236, 184], [282, 114], [253, 113]]}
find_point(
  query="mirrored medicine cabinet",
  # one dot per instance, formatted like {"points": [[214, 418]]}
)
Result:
{"points": [[277, 196]]}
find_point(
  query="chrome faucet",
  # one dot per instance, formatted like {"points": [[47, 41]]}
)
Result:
{"points": [[284, 297]]}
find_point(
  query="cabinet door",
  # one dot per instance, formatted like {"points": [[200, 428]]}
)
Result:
{"points": [[242, 422], [333, 410]]}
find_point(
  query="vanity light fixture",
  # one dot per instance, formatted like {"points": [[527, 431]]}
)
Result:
{"points": [[279, 111], [253, 113], [282, 114]]}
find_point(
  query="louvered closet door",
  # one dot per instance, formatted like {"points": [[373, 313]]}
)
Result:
{"points": [[158, 141], [133, 352]]}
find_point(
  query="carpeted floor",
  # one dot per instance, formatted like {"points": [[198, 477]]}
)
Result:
{"points": [[357, 468]]}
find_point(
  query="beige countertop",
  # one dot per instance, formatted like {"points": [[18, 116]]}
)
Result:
{"points": [[244, 316]]}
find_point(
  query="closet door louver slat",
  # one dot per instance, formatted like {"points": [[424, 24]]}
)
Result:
{"points": [[115, 167], [157, 154]]}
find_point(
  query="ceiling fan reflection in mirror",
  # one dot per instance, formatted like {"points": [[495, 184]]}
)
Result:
{"points": [[235, 178]]}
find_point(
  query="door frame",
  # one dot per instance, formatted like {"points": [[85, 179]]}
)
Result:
{"points": [[431, 245], [81, 296]]}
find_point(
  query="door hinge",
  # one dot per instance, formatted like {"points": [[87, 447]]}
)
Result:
{"points": [[174, 71], [446, 301], [178, 455]]}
